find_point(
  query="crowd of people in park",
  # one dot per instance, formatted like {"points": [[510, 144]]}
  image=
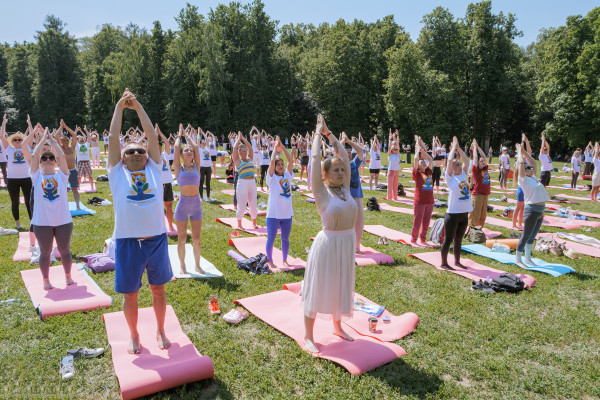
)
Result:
{"points": [[42, 164]]}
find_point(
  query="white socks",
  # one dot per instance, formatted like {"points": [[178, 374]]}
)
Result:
{"points": [[528, 260]]}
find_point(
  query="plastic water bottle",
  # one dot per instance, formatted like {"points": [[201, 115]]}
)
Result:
{"points": [[10, 301]]}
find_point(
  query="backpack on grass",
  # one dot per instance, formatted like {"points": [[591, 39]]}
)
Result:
{"points": [[507, 283], [476, 235], [437, 231]]}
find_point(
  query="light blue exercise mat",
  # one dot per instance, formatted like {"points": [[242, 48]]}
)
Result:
{"points": [[83, 210], [210, 271], [542, 266]]}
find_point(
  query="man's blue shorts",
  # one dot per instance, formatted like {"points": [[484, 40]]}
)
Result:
{"points": [[133, 256]]}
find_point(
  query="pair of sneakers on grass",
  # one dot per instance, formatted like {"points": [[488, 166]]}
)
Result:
{"points": [[67, 365]]}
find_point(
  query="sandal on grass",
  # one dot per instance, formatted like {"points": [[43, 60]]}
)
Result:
{"points": [[235, 234], [236, 315]]}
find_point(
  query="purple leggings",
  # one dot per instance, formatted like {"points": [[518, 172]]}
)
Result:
{"points": [[45, 235], [286, 228]]}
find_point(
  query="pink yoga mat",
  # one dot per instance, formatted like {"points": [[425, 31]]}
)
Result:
{"points": [[247, 226], [231, 207], [579, 247], [86, 187], [566, 196], [225, 181], [230, 192], [283, 311], [503, 223], [154, 370], [474, 271], [398, 327], [561, 221], [371, 256], [174, 231], [303, 187], [83, 295], [251, 246], [401, 200], [402, 210], [23, 253]]}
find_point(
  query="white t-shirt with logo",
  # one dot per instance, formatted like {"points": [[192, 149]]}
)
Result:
{"points": [[375, 161], [212, 148], [205, 160], [83, 153], [546, 162], [138, 201], [264, 157], [17, 167], [459, 198], [394, 161], [165, 169], [588, 156], [576, 162], [51, 199], [505, 160], [280, 196]]}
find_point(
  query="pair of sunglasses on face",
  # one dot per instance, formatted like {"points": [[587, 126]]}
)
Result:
{"points": [[46, 158], [528, 167], [131, 152], [17, 140]]}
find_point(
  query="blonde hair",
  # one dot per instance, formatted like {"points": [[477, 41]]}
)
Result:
{"points": [[329, 162]]}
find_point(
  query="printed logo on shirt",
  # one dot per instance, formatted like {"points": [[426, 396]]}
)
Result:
{"points": [[50, 189], [464, 190], [286, 190], [212, 145], [206, 155], [427, 182], [18, 157], [265, 155], [83, 148], [140, 187], [486, 178], [164, 167], [377, 157]]}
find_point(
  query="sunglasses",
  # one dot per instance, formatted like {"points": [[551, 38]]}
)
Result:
{"points": [[131, 152], [17, 140], [46, 158], [528, 167]]}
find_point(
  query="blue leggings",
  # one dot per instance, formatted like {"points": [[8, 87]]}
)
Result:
{"points": [[286, 228]]}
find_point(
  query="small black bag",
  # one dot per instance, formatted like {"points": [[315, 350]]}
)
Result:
{"points": [[373, 205], [255, 265], [294, 187], [102, 178], [401, 191], [508, 283]]}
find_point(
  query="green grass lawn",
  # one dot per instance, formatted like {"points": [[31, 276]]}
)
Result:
{"points": [[538, 344]]}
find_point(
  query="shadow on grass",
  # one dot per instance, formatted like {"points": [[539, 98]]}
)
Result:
{"points": [[222, 284], [407, 380], [207, 389], [582, 276]]}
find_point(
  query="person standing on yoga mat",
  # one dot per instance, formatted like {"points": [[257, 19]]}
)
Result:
{"points": [[18, 178], [51, 217], [167, 177], [546, 161], [329, 278], [504, 168], [141, 242], [394, 166], [279, 205], [206, 165], [481, 189], [374, 163], [456, 219], [68, 147], [588, 155], [438, 163], [575, 168], [246, 183], [265, 163], [185, 165], [423, 201], [355, 186], [596, 175], [535, 204]]}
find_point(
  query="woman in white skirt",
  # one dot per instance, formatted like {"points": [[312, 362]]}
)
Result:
{"points": [[329, 277], [596, 175]]}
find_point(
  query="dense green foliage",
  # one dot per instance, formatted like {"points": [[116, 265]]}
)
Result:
{"points": [[236, 67]]}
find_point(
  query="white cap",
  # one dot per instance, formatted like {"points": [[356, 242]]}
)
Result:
{"points": [[504, 149]]}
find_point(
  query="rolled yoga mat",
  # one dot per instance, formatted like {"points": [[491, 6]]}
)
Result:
{"points": [[541, 265], [512, 243], [474, 271], [174, 231], [236, 256], [84, 295], [283, 310], [154, 370]]}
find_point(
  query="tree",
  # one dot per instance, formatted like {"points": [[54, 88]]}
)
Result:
{"points": [[59, 88], [302, 113], [21, 72]]}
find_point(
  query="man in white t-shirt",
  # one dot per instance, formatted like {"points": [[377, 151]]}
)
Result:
{"points": [[588, 155], [546, 161], [140, 233]]}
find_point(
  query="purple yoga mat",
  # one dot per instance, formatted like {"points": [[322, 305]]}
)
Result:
{"points": [[235, 255]]}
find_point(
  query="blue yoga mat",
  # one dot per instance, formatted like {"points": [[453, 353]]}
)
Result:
{"points": [[542, 266], [82, 211]]}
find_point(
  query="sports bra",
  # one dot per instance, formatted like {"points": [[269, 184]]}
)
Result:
{"points": [[188, 178], [245, 170]]}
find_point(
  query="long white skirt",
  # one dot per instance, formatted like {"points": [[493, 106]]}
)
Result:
{"points": [[329, 277], [596, 178]]}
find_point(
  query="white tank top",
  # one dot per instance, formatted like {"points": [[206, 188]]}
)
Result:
{"points": [[339, 215]]}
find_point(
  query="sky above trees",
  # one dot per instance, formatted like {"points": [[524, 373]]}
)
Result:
{"points": [[83, 17]]}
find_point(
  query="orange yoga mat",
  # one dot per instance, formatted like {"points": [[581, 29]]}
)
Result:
{"points": [[154, 370], [512, 243]]}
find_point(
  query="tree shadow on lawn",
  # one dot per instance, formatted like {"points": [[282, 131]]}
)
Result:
{"points": [[222, 284], [406, 379], [582, 276]]}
